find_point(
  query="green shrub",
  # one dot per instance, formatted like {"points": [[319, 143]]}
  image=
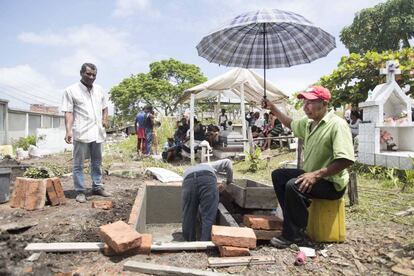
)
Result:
{"points": [[25, 142], [166, 130], [36, 173], [253, 159]]}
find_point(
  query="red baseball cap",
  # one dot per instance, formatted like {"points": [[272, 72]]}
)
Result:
{"points": [[315, 93]]}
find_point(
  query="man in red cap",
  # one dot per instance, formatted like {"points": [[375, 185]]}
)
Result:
{"points": [[328, 151]]}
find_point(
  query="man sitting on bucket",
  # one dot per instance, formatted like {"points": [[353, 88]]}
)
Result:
{"points": [[328, 151]]}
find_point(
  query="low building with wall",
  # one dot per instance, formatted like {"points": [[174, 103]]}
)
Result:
{"points": [[16, 123]]}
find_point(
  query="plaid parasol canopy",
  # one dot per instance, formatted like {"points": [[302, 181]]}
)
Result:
{"points": [[268, 38]]}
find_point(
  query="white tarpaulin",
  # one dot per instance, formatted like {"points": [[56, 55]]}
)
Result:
{"points": [[230, 83], [244, 83]]}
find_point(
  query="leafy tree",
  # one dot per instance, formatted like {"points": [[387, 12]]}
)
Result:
{"points": [[386, 26], [357, 74], [160, 87]]}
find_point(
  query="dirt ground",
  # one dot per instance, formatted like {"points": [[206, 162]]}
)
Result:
{"points": [[370, 248]]}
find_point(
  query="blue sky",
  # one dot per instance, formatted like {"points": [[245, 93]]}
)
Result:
{"points": [[44, 42]]}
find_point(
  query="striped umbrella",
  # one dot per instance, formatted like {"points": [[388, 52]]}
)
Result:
{"points": [[268, 38]]}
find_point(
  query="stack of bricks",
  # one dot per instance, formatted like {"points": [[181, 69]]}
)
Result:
{"points": [[265, 227], [233, 241], [121, 238], [31, 194]]}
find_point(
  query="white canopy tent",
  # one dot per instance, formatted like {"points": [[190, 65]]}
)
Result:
{"points": [[245, 83]]}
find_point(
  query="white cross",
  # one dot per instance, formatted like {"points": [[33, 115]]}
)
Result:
{"points": [[391, 70]]}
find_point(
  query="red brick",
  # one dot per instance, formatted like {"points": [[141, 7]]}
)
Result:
{"points": [[145, 247], [17, 197], [146, 243], [231, 251], [263, 222], [51, 193], [102, 204], [59, 190], [233, 236], [35, 193], [120, 236]]}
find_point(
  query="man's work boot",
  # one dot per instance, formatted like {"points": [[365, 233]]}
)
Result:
{"points": [[101, 192], [81, 198]]}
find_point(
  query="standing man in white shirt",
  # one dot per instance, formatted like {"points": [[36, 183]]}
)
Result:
{"points": [[86, 116]]}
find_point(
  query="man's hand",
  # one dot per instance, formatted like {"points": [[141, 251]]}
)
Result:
{"points": [[221, 186], [68, 137], [266, 103], [307, 180]]}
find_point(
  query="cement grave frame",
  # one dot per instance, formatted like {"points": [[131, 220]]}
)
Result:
{"points": [[159, 204], [148, 210]]}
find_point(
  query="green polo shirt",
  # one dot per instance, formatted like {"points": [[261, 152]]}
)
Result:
{"points": [[331, 139]]}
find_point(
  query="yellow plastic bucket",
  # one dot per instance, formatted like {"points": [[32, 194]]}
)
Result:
{"points": [[326, 222]]}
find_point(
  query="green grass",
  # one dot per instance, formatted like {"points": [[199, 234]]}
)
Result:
{"points": [[378, 202]]}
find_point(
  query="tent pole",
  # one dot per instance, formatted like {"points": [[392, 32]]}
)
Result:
{"points": [[218, 111], [243, 117], [264, 58], [192, 128]]}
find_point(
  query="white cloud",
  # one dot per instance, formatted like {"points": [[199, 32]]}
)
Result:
{"points": [[89, 43], [22, 85], [126, 8], [326, 14]]}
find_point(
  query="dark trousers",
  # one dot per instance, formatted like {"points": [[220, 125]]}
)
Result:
{"points": [[294, 203], [199, 193]]}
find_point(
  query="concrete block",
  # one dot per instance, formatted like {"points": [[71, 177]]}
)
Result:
{"points": [[231, 251], [233, 236], [120, 236], [370, 159], [361, 147], [380, 160], [406, 163], [263, 222], [370, 128], [370, 147], [361, 157], [393, 161]]}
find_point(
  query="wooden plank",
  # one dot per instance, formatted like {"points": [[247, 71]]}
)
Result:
{"points": [[352, 189], [237, 261], [238, 193], [155, 269], [407, 212], [65, 246], [260, 198], [179, 246]]}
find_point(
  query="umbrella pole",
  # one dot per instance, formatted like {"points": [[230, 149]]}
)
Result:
{"points": [[264, 59]]}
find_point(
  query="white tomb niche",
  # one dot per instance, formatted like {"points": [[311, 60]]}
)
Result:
{"points": [[386, 134]]}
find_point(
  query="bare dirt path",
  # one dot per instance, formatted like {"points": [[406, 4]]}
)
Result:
{"points": [[370, 247]]}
